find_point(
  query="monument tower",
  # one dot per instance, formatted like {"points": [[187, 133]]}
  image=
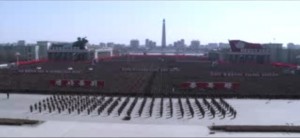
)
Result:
{"points": [[163, 40]]}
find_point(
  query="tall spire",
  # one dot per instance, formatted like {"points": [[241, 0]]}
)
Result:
{"points": [[163, 40]]}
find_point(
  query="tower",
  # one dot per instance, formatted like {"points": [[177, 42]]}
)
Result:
{"points": [[163, 40]]}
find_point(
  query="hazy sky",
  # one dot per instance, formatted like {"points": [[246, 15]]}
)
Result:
{"points": [[121, 21]]}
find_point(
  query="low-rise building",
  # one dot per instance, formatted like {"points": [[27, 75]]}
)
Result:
{"points": [[134, 43], [195, 44], [12, 53]]}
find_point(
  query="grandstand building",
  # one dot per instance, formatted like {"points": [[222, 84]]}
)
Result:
{"points": [[244, 52]]}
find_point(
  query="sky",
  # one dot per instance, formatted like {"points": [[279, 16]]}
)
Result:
{"points": [[121, 21]]}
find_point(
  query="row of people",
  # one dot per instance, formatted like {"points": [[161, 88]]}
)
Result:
{"points": [[123, 105], [151, 107], [113, 106], [227, 106], [191, 110], [161, 107], [181, 111], [211, 110], [103, 106], [131, 107], [140, 111], [220, 109], [200, 108], [170, 107]]}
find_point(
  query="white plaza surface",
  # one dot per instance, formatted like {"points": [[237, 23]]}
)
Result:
{"points": [[249, 112]]}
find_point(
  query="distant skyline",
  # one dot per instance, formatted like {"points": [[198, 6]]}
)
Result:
{"points": [[121, 21]]}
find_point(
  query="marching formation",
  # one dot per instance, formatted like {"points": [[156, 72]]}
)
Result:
{"points": [[129, 107]]}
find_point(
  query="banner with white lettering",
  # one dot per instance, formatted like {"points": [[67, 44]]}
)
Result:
{"points": [[77, 83], [210, 85]]}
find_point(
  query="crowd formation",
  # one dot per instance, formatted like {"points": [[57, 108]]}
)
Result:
{"points": [[145, 77], [124, 106]]}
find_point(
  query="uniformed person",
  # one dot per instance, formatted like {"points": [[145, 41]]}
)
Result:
{"points": [[31, 108]]}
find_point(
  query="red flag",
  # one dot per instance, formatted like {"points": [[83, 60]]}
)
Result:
{"points": [[100, 84], [219, 85], [87, 83], [202, 85], [64, 82], [237, 45], [52, 82], [76, 83], [235, 85]]}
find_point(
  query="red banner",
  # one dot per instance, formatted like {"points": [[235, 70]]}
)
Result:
{"points": [[185, 85], [52, 82], [64, 82], [87, 83], [76, 83], [219, 85], [100, 84]]}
